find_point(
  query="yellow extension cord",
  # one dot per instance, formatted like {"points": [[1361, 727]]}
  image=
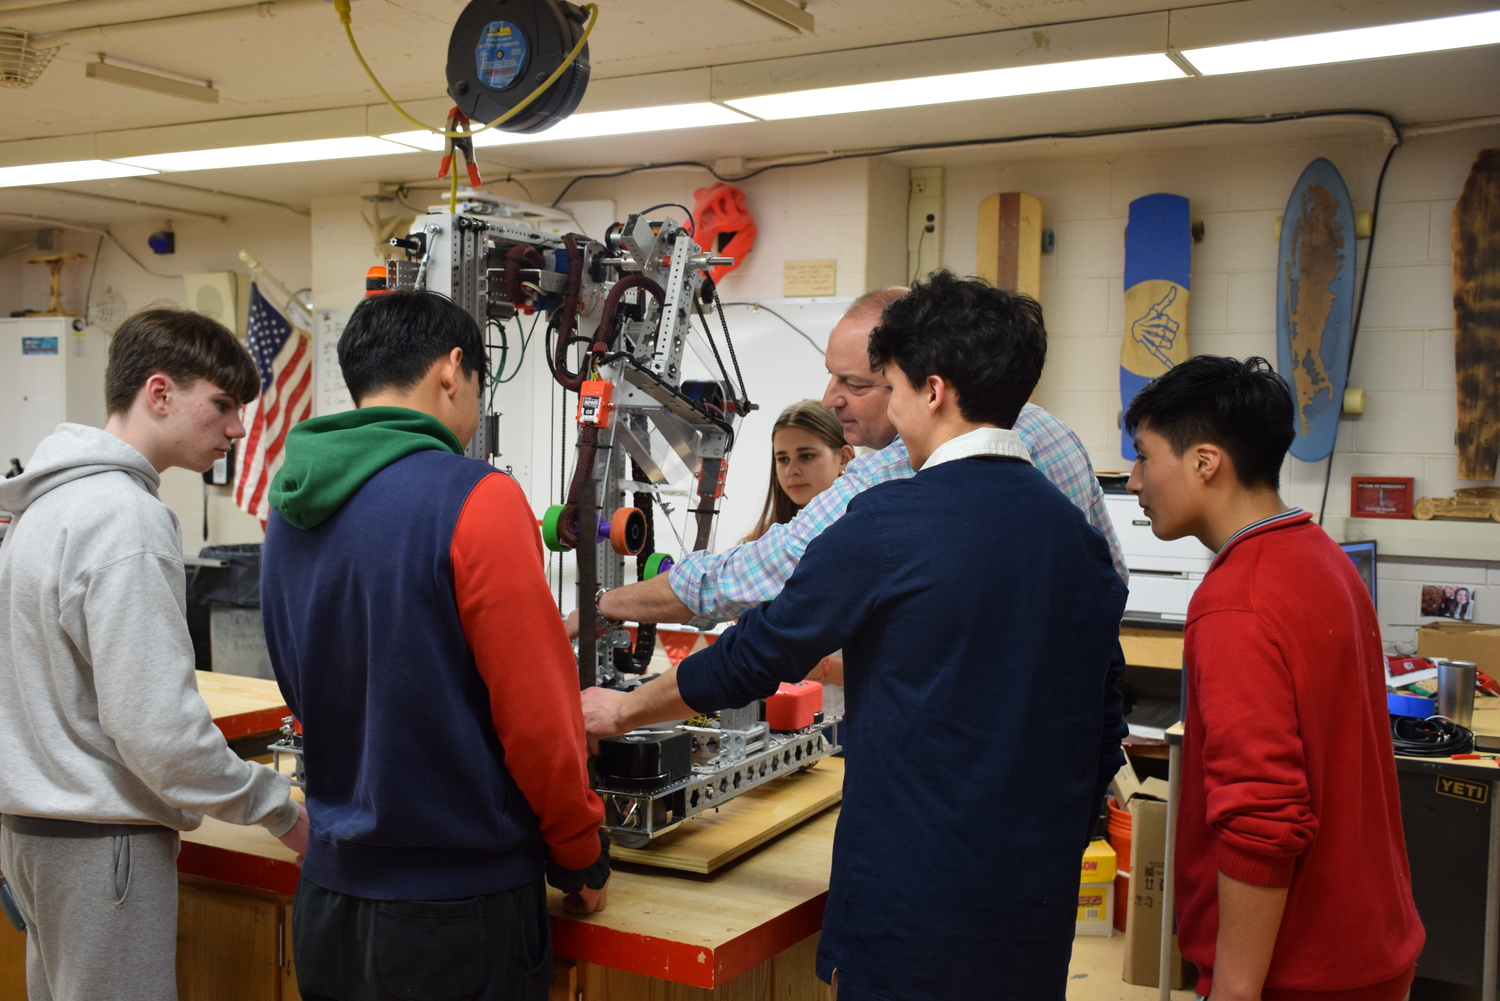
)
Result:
{"points": [[342, 8]]}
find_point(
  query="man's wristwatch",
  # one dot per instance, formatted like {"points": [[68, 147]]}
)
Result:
{"points": [[603, 620]]}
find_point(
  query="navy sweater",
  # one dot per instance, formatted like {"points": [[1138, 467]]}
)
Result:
{"points": [[979, 616]]}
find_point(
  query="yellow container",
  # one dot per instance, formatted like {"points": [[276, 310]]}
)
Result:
{"points": [[1099, 863]]}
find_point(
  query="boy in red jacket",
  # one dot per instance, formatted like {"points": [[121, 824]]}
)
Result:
{"points": [[1291, 880]]}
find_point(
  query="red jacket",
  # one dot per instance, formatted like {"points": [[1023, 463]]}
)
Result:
{"points": [[1288, 778]]}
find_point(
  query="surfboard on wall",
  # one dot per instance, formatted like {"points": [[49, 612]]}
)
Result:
{"points": [[1476, 318], [1010, 242], [1315, 305], [1158, 262]]}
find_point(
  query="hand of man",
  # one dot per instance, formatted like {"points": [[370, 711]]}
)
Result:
{"points": [[571, 624], [296, 837], [587, 900], [603, 712]]}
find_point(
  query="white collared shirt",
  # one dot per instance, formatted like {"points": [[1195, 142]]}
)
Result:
{"points": [[981, 441]]}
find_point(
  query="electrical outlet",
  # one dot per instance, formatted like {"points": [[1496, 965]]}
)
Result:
{"points": [[924, 222]]}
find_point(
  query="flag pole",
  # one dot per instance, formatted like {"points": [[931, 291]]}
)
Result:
{"points": [[259, 271]]}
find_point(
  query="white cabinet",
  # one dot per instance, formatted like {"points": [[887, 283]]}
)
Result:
{"points": [[48, 374]]}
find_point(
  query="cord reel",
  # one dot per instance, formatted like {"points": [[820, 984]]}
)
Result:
{"points": [[501, 50]]}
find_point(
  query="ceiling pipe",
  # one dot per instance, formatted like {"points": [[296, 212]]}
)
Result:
{"points": [[175, 210], [67, 5], [268, 8]]}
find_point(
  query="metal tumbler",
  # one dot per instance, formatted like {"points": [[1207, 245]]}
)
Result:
{"points": [[1456, 681]]}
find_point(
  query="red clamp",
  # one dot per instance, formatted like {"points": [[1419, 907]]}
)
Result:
{"points": [[459, 122]]}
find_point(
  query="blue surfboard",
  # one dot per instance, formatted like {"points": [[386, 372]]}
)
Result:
{"points": [[1158, 264], [1315, 305]]}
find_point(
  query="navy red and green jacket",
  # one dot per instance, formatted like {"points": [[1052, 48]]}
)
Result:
{"points": [[413, 635]]}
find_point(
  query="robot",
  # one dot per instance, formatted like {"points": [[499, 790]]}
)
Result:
{"points": [[619, 313]]}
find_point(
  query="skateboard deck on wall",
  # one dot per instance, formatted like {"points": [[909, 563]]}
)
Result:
{"points": [[1476, 318], [1315, 305], [1010, 242], [1158, 260]]}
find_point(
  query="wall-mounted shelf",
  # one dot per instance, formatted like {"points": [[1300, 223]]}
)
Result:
{"points": [[1448, 540]]}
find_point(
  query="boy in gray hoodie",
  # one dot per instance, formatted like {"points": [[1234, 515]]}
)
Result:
{"points": [[108, 749]]}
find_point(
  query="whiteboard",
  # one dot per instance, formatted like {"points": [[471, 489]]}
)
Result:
{"points": [[779, 366]]}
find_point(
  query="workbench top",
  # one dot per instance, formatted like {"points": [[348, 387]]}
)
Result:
{"points": [[240, 706], [702, 931]]}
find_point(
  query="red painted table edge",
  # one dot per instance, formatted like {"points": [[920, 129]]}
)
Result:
{"points": [[248, 724], [682, 962], [663, 959], [255, 872]]}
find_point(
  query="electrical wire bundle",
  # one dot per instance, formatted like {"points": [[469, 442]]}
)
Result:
{"points": [[1434, 737]]}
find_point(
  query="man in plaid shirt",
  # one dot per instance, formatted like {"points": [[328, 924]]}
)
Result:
{"points": [[705, 588]]}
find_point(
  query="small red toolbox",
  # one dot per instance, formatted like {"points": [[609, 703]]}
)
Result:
{"points": [[794, 705]]}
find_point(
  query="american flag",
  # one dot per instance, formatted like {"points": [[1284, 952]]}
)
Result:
{"points": [[284, 356]]}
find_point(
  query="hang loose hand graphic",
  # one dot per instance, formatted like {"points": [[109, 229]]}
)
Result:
{"points": [[1156, 331]]}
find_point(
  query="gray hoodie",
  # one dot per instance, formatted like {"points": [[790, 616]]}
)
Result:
{"points": [[100, 717]]}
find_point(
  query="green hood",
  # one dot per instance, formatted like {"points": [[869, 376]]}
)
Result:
{"points": [[329, 458]]}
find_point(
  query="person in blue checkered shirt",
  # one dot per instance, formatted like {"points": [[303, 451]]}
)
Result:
{"points": [[707, 588]]}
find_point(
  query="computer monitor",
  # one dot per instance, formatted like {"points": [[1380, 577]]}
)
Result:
{"points": [[1363, 556]]}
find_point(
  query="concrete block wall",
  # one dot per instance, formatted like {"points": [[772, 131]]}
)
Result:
{"points": [[817, 212], [277, 237], [854, 211], [1404, 355]]}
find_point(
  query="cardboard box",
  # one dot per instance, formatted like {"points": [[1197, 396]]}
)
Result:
{"points": [[1148, 862], [1462, 641], [1096, 906]]}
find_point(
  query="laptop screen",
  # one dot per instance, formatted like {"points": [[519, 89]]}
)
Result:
{"points": [[1363, 556]]}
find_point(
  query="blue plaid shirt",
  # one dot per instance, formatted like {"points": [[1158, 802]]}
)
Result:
{"points": [[721, 586]]}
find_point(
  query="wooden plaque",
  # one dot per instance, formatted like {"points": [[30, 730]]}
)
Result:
{"points": [[1476, 315], [809, 278]]}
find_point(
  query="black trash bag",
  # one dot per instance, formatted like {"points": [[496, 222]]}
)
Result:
{"points": [[236, 585]]}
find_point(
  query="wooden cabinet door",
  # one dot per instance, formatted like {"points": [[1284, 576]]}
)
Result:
{"points": [[231, 944]]}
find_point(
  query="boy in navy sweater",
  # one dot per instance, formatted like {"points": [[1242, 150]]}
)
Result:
{"points": [[1288, 780], [979, 613], [413, 634]]}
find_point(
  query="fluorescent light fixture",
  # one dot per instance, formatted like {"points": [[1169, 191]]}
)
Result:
{"points": [[153, 82], [976, 86], [594, 123], [1461, 32], [61, 173], [255, 156]]}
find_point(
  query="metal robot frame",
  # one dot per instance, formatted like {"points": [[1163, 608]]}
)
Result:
{"points": [[619, 314]]}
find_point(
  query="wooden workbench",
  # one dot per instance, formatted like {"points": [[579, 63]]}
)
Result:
{"points": [[748, 931], [1152, 647], [242, 707]]}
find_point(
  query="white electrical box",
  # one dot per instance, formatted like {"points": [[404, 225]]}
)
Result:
{"points": [[1163, 575], [49, 373]]}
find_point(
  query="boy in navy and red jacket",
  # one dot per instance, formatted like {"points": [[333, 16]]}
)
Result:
{"points": [[413, 634], [1288, 778]]}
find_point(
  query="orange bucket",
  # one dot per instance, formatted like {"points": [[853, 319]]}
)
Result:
{"points": [[1119, 840]]}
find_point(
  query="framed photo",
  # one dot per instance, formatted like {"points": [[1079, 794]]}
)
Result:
{"points": [[1380, 496]]}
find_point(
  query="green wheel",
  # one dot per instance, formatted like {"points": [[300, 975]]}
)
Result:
{"points": [[549, 529], [656, 563]]}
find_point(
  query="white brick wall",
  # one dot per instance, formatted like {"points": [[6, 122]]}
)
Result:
{"points": [[1404, 357]]}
